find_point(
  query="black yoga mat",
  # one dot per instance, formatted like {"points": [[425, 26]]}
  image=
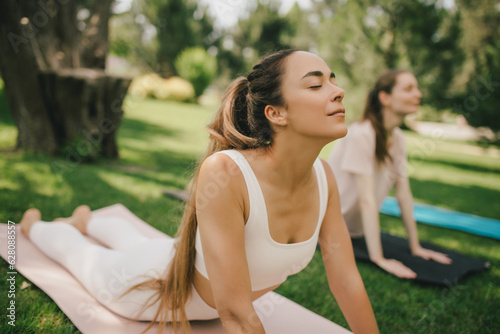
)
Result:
{"points": [[428, 271]]}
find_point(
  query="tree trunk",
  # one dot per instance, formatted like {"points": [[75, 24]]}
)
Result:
{"points": [[56, 104], [86, 111], [19, 68]]}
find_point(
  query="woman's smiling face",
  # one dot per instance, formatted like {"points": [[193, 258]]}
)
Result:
{"points": [[313, 101], [405, 96]]}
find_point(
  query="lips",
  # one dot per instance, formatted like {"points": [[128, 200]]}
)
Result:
{"points": [[337, 112]]}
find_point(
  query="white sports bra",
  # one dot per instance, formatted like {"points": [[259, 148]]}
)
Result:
{"points": [[269, 262]]}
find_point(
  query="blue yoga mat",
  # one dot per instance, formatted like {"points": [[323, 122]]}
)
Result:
{"points": [[436, 216]]}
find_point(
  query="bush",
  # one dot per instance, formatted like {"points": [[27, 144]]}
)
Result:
{"points": [[198, 67], [144, 85], [175, 89], [154, 86]]}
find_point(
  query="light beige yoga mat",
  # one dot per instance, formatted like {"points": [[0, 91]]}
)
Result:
{"points": [[278, 314]]}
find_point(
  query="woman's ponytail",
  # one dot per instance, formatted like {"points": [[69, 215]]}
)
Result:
{"points": [[230, 128]]}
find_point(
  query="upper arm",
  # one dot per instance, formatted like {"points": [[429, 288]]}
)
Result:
{"points": [[402, 187], [343, 276], [220, 214], [335, 242], [401, 164]]}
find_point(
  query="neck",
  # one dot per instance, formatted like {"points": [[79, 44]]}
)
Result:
{"points": [[289, 161], [391, 120]]}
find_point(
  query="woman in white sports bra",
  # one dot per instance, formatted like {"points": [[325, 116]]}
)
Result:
{"points": [[260, 201]]}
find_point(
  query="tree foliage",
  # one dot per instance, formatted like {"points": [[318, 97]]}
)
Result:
{"points": [[453, 50], [198, 67], [264, 29], [132, 38], [377, 35], [261, 31], [478, 86], [179, 24]]}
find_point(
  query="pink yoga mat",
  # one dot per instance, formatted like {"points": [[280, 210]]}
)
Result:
{"points": [[279, 315]]}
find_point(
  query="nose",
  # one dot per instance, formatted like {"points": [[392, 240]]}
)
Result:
{"points": [[337, 94], [418, 93]]}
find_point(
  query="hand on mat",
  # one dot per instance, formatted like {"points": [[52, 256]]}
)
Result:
{"points": [[396, 268], [429, 254]]}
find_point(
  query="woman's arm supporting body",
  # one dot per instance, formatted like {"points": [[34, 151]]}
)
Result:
{"points": [[371, 228], [220, 212], [405, 201], [343, 276]]}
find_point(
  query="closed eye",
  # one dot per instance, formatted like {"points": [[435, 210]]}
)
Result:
{"points": [[316, 87]]}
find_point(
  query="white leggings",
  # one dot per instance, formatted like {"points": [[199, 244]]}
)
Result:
{"points": [[109, 272]]}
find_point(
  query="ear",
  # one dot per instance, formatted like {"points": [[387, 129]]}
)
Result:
{"points": [[384, 98], [276, 115]]}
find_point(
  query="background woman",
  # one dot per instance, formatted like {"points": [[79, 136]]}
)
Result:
{"points": [[259, 203], [371, 160]]}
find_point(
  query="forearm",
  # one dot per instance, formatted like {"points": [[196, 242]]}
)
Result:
{"points": [[369, 216], [355, 305], [405, 200], [371, 228]]}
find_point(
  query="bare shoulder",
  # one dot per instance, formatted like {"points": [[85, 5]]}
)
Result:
{"points": [[332, 183], [217, 162], [220, 177], [220, 166], [333, 216]]}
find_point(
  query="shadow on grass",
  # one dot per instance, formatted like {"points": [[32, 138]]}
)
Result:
{"points": [[12, 206], [150, 157], [88, 185], [133, 128]]}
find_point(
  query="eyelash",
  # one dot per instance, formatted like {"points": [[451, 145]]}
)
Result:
{"points": [[319, 86]]}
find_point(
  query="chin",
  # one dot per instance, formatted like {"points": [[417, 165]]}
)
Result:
{"points": [[343, 129], [408, 112], [341, 132], [413, 110]]}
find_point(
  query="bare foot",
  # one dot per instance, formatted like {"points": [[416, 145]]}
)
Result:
{"points": [[79, 219], [30, 216]]}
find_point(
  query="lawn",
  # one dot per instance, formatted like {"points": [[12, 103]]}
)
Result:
{"points": [[159, 145]]}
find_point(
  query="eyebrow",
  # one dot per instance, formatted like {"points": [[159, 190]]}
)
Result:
{"points": [[317, 74]]}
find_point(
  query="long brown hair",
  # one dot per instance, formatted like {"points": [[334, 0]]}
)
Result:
{"points": [[240, 123], [373, 111]]}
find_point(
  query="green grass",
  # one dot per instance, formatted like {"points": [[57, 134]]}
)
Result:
{"points": [[159, 144]]}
